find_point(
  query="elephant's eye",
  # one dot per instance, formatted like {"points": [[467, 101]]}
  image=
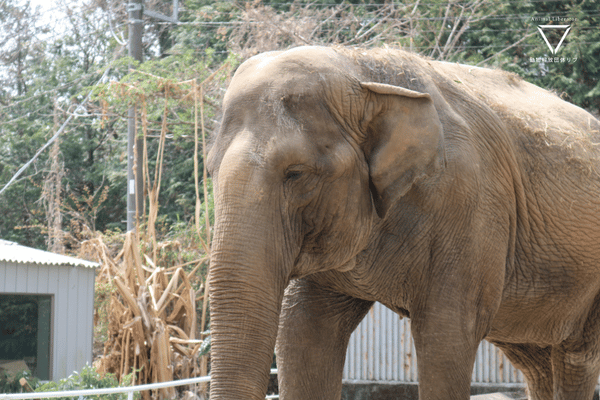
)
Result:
{"points": [[292, 175]]}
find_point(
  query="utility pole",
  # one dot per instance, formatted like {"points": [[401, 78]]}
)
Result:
{"points": [[135, 153], [135, 177]]}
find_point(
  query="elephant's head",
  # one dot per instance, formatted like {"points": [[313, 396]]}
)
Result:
{"points": [[308, 155]]}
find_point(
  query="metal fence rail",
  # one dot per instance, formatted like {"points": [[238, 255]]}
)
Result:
{"points": [[130, 390]]}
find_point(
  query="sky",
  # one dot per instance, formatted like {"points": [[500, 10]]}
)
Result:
{"points": [[50, 11], [45, 4]]}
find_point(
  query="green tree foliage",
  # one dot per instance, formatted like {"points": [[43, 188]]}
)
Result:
{"points": [[10, 383], [575, 69], [509, 39], [21, 52], [45, 81], [162, 88], [207, 25]]}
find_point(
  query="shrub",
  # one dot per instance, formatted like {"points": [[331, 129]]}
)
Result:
{"points": [[88, 379], [11, 384]]}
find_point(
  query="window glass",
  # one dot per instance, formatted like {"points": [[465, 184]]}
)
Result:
{"points": [[25, 332]]}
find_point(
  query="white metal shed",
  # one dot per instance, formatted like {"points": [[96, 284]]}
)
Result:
{"points": [[46, 310], [381, 349]]}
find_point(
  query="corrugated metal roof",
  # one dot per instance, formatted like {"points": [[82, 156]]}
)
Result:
{"points": [[11, 251]]}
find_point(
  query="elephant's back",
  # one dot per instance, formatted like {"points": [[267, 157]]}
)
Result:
{"points": [[529, 109], [546, 131]]}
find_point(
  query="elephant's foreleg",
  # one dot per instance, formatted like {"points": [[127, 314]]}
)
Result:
{"points": [[535, 363], [445, 358], [447, 324], [314, 329]]}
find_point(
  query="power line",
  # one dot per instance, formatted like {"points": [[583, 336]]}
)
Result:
{"points": [[46, 92], [27, 115], [400, 8], [57, 134], [507, 17], [420, 31]]}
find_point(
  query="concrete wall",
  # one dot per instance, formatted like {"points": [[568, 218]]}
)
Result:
{"points": [[363, 390], [360, 390]]}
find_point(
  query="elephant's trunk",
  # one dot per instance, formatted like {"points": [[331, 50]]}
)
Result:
{"points": [[244, 313], [247, 279]]}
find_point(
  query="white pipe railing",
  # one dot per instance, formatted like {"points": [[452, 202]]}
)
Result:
{"points": [[130, 390]]}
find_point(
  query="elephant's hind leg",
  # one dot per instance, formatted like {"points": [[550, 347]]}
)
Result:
{"points": [[576, 362], [535, 363], [314, 330], [575, 373]]}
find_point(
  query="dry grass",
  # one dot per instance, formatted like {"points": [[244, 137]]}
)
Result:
{"points": [[153, 322], [155, 319], [577, 143]]}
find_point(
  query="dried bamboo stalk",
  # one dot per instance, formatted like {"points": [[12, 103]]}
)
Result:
{"points": [[154, 321], [162, 302], [126, 293]]}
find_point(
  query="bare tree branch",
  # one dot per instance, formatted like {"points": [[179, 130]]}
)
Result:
{"points": [[507, 48]]}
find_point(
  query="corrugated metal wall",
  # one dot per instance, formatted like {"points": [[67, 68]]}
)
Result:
{"points": [[72, 290], [382, 349]]}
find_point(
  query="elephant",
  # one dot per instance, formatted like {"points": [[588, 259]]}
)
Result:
{"points": [[463, 198]]}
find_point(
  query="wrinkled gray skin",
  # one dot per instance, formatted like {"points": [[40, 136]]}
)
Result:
{"points": [[461, 197]]}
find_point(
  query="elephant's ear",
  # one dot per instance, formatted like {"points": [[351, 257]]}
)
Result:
{"points": [[404, 140]]}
